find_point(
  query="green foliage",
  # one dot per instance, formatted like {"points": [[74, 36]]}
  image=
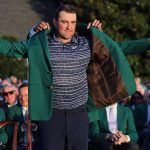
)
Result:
{"points": [[122, 20], [10, 66]]}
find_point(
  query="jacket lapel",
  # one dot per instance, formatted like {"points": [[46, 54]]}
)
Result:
{"points": [[119, 117], [104, 119], [44, 43]]}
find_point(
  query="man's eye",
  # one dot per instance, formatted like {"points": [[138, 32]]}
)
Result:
{"points": [[64, 21]]}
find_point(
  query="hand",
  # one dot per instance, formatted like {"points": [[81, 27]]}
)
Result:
{"points": [[96, 23], [111, 137], [121, 138], [41, 26]]}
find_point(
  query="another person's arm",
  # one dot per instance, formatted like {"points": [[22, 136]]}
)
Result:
{"points": [[13, 49], [135, 46], [3, 134], [45, 25]]}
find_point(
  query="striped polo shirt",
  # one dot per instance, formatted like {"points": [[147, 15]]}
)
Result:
{"points": [[69, 63]]}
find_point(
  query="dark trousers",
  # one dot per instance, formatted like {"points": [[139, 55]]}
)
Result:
{"points": [[124, 146], [2, 147], [145, 139], [65, 130], [35, 146]]}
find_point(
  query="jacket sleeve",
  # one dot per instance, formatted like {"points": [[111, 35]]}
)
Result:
{"points": [[134, 46], [13, 49], [131, 129], [3, 134]]}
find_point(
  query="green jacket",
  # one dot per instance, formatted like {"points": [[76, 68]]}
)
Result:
{"points": [[99, 128], [14, 113], [109, 75], [3, 134]]}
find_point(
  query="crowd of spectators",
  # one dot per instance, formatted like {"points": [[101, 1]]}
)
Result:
{"points": [[129, 128]]}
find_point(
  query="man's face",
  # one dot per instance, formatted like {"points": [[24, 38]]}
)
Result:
{"points": [[66, 26], [10, 95], [23, 96]]}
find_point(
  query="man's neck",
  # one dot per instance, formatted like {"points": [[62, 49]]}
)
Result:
{"points": [[62, 40]]}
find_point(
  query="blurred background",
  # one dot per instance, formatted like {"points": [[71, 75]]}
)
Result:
{"points": [[122, 20]]}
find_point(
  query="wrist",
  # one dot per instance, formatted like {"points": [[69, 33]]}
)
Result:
{"points": [[127, 139]]}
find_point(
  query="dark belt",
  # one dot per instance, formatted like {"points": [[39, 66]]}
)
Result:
{"points": [[73, 111]]}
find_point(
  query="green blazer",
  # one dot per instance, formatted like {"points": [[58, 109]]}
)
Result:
{"points": [[109, 75], [14, 113], [99, 128], [3, 134], [140, 116]]}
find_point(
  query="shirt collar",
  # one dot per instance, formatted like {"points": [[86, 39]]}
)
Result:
{"points": [[25, 108], [114, 105], [74, 39]]}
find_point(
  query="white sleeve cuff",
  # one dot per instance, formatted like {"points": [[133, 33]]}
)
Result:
{"points": [[32, 32], [128, 138]]}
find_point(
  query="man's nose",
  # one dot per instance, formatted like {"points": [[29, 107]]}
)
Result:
{"points": [[68, 26]]}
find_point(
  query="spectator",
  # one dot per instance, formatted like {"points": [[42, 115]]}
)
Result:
{"points": [[20, 114], [142, 120], [14, 80], [140, 87], [10, 93], [136, 98], [115, 129]]}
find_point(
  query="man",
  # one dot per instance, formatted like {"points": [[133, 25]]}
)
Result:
{"points": [[2, 83], [115, 129], [63, 69], [10, 93], [142, 121], [19, 113]]}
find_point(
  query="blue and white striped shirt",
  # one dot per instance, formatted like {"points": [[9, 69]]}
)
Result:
{"points": [[69, 63]]}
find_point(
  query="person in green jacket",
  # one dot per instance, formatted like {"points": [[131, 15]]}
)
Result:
{"points": [[142, 121], [114, 129], [64, 70], [3, 134], [19, 113]]}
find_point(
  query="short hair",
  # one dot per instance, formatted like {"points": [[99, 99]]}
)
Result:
{"points": [[5, 86], [65, 7], [23, 85]]}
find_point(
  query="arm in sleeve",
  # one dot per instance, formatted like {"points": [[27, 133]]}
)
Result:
{"points": [[135, 46], [3, 134], [96, 134], [13, 49]]}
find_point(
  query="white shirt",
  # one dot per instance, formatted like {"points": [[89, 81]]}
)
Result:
{"points": [[24, 111], [113, 126]]}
